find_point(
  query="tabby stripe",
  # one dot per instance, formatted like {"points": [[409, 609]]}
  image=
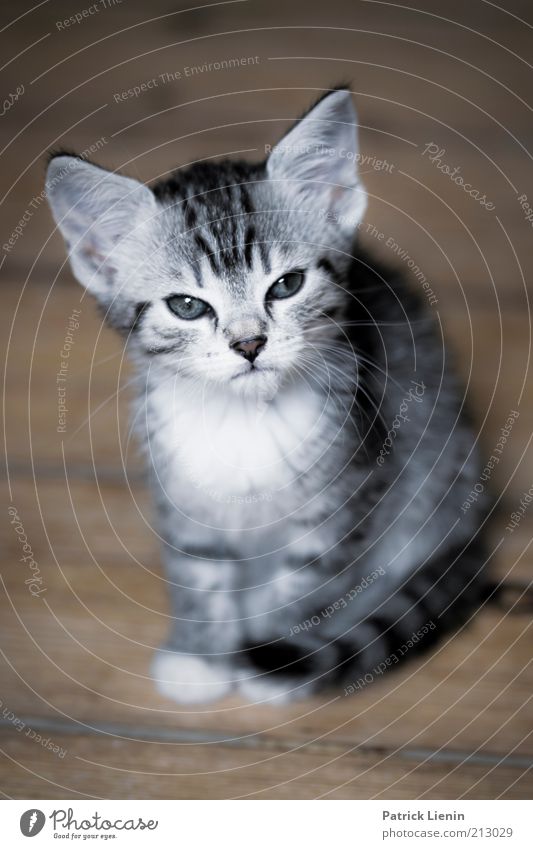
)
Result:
{"points": [[202, 245], [324, 264], [234, 221], [197, 274], [419, 605], [168, 349], [265, 257], [388, 632], [190, 215], [249, 239], [246, 200], [140, 309], [205, 553]]}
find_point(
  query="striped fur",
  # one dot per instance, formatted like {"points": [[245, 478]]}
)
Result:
{"points": [[308, 500]]}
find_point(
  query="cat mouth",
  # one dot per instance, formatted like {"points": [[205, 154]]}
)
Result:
{"points": [[252, 370]]}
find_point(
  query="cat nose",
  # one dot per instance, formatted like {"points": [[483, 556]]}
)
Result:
{"points": [[249, 348]]}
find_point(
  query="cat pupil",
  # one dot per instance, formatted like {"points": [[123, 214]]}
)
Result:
{"points": [[185, 306], [286, 286]]}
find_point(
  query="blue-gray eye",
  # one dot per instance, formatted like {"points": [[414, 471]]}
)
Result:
{"points": [[286, 286], [184, 306]]}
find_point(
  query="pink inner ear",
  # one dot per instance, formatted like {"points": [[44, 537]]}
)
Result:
{"points": [[90, 252], [97, 260], [337, 193]]}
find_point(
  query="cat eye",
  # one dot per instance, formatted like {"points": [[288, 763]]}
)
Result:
{"points": [[286, 286], [187, 307]]}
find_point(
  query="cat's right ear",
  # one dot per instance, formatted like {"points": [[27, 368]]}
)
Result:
{"points": [[316, 161], [95, 209]]}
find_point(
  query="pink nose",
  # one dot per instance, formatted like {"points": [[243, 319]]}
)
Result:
{"points": [[249, 348]]}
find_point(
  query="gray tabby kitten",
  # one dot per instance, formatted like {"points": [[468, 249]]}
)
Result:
{"points": [[308, 448]]}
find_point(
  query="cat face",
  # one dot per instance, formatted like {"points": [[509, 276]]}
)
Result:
{"points": [[226, 273]]}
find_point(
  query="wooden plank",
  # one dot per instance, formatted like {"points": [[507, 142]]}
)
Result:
{"points": [[93, 767]]}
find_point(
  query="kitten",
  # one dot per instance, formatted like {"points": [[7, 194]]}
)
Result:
{"points": [[307, 443]]}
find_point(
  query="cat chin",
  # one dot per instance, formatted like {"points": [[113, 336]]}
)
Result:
{"points": [[260, 385]]}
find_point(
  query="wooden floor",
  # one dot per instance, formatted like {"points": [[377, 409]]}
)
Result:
{"points": [[78, 714]]}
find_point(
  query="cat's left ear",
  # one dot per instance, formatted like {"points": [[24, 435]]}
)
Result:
{"points": [[317, 160], [95, 210]]}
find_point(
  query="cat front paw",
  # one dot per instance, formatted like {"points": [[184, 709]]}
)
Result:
{"points": [[188, 679], [269, 690], [280, 672]]}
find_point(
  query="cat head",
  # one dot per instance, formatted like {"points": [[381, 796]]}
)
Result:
{"points": [[226, 272]]}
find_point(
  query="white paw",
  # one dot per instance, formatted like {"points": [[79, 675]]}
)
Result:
{"points": [[267, 689], [188, 679]]}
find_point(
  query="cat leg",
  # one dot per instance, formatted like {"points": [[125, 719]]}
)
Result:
{"points": [[285, 655], [196, 663]]}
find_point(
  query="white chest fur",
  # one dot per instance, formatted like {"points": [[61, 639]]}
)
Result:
{"points": [[236, 446]]}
